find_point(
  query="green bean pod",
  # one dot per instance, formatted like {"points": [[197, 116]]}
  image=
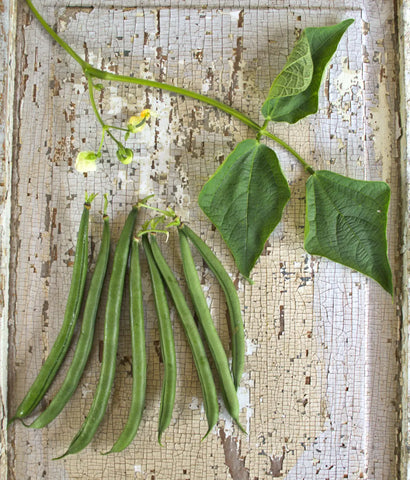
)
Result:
{"points": [[59, 349], [167, 342], [111, 332], [139, 361], [232, 300], [85, 340], [192, 334], [209, 330]]}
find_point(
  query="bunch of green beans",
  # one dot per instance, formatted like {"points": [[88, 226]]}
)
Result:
{"points": [[162, 279], [193, 336], [228, 383]]}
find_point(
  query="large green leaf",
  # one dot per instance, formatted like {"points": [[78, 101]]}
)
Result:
{"points": [[294, 93], [244, 199], [346, 222]]}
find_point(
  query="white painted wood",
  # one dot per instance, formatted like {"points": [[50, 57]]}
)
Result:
{"points": [[321, 395], [7, 59], [404, 31]]}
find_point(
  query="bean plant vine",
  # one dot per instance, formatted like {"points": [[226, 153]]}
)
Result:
{"points": [[345, 220]]}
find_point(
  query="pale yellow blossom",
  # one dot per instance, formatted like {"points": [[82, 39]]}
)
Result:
{"points": [[86, 162], [137, 122]]}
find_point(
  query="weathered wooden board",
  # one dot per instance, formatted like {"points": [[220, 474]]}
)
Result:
{"points": [[320, 397], [7, 45], [404, 37]]}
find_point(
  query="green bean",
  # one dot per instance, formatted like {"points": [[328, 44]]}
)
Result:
{"points": [[166, 340], [209, 330], [85, 340], [59, 349], [139, 362], [111, 332], [232, 300], [192, 334]]}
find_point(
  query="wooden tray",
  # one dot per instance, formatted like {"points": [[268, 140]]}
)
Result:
{"points": [[325, 385]]}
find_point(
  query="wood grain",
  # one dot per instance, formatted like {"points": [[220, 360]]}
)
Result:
{"points": [[320, 397]]}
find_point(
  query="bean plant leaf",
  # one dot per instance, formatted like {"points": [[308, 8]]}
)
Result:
{"points": [[244, 199], [294, 93], [297, 74], [346, 222]]}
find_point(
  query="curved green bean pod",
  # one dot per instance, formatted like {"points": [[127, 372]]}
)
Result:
{"points": [[111, 332], [192, 334], [166, 340], [232, 300], [85, 340], [209, 330], [59, 349], [139, 362]]}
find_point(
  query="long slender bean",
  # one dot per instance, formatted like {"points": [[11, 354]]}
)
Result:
{"points": [[166, 340], [209, 330], [59, 349], [111, 332], [139, 361], [192, 334], [232, 300], [85, 340]]}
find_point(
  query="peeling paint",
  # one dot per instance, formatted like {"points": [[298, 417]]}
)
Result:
{"points": [[276, 465], [233, 459], [194, 405], [251, 346], [349, 85], [381, 122], [235, 15], [116, 102], [70, 13], [303, 386]]}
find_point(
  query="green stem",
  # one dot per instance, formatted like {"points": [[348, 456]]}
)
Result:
{"points": [[95, 109], [95, 72], [287, 147], [262, 129], [114, 127], [153, 230], [166, 213], [91, 72], [92, 101], [105, 204], [101, 143]]}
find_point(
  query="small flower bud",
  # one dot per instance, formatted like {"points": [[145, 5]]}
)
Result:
{"points": [[125, 155]]}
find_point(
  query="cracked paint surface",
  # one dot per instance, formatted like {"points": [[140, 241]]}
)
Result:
{"points": [[321, 340]]}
